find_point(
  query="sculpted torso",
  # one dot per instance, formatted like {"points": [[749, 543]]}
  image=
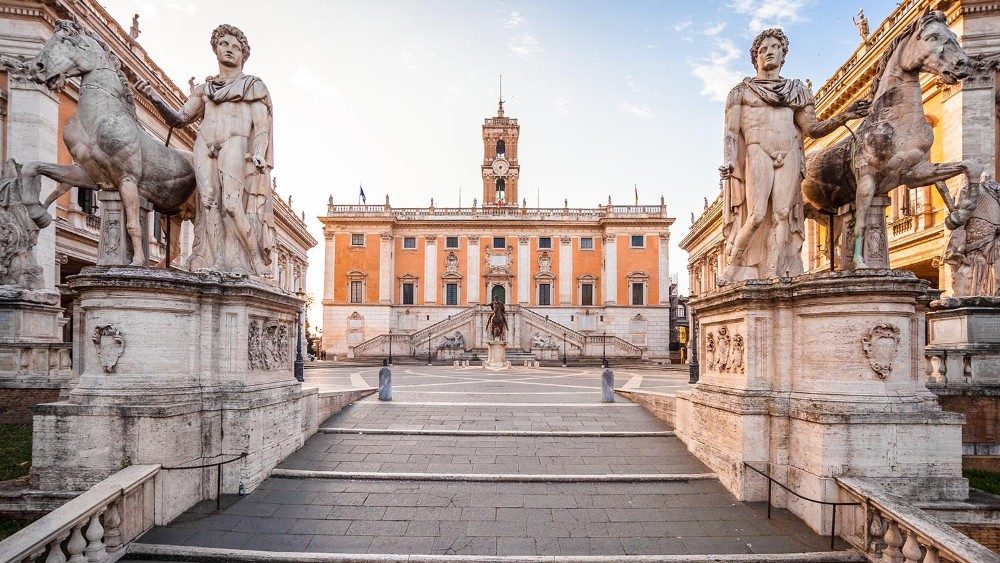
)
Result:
{"points": [[773, 128], [221, 122]]}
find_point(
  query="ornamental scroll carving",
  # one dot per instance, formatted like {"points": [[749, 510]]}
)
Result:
{"points": [[110, 343], [268, 344], [880, 345], [724, 351]]}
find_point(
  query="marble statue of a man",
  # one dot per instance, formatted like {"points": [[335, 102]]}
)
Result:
{"points": [[234, 224], [766, 119]]}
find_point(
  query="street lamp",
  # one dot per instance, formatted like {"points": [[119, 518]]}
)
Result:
{"points": [[604, 349], [693, 342], [564, 348], [390, 346], [428, 349], [299, 370]]}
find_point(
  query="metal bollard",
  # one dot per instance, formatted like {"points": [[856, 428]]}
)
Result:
{"points": [[608, 386], [384, 384]]}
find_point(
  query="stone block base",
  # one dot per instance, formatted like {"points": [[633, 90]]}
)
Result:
{"points": [[814, 378], [496, 358]]}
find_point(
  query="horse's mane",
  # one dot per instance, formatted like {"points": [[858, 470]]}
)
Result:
{"points": [[934, 16], [71, 27]]}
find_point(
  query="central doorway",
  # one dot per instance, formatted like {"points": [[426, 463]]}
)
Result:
{"points": [[498, 293]]}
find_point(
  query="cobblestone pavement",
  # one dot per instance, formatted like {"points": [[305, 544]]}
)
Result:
{"points": [[423, 516]]}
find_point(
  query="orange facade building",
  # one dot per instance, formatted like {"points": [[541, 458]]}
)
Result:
{"points": [[593, 281]]}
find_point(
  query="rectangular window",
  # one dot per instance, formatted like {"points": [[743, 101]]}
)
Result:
{"points": [[499, 242], [451, 294], [157, 228], [638, 291], [638, 241], [587, 243], [357, 239], [408, 294], [545, 242], [357, 292], [587, 294], [410, 242], [544, 294], [86, 200], [451, 242]]}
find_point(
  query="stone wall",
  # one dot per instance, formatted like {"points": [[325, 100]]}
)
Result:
{"points": [[16, 404]]}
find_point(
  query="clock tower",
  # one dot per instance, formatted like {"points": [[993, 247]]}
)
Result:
{"points": [[500, 168]]}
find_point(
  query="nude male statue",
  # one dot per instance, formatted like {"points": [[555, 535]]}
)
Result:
{"points": [[766, 118], [234, 225]]}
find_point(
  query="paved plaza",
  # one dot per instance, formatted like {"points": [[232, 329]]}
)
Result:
{"points": [[469, 462]]}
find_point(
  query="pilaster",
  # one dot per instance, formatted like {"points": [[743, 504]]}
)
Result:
{"points": [[523, 270], [565, 270], [609, 273], [330, 265], [472, 270], [663, 268], [385, 270], [430, 270]]}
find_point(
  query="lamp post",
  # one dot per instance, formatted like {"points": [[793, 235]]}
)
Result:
{"points": [[298, 369], [564, 349], [693, 342], [604, 349], [390, 346], [428, 349]]}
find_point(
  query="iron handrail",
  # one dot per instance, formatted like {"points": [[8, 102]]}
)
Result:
{"points": [[218, 476], [833, 523]]}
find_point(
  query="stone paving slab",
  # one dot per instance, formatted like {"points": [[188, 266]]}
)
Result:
{"points": [[485, 454], [417, 517]]}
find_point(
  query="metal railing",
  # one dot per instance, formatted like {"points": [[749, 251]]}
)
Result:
{"points": [[218, 477], [770, 480]]}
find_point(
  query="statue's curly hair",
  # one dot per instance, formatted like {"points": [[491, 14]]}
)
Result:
{"points": [[226, 29], [773, 32]]}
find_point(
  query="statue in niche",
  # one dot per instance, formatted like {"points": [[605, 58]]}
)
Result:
{"points": [[233, 158], [973, 249], [766, 118]]}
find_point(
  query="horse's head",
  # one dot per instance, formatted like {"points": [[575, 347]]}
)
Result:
{"points": [[71, 51], [934, 48]]}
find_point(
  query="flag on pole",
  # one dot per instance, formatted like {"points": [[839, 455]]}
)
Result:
{"points": [[361, 195], [636, 186]]}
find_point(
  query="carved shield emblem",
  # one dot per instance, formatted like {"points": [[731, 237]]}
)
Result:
{"points": [[880, 345], [110, 343]]}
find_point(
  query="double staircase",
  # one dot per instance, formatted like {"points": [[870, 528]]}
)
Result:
{"points": [[471, 323]]}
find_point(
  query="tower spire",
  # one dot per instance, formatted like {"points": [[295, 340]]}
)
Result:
{"points": [[500, 110]]}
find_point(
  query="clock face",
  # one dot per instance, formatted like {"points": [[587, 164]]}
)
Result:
{"points": [[500, 167]]}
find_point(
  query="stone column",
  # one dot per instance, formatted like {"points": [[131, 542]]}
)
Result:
{"points": [[430, 269], [609, 277], [523, 270], [565, 270], [385, 270], [61, 259], [330, 266], [33, 134], [472, 270], [663, 269]]}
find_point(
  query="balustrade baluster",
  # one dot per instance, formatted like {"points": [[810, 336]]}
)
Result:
{"points": [[95, 536], [931, 556], [56, 554], [76, 544], [911, 549], [112, 522], [893, 543]]}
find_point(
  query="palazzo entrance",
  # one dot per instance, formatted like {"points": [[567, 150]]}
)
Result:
{"points": [[498, 293]]}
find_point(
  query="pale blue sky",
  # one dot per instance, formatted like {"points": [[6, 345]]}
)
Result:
{"points": [[393, 94]]}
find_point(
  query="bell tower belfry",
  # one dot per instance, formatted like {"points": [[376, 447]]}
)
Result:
{"points": [[500, 167]]}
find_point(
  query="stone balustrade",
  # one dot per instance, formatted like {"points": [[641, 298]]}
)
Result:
{"points": [[888, 529], [500, 212], [94, 527]]}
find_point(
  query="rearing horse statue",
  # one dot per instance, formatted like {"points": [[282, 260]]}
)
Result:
{"points": [[110, 149], [891, 148]]}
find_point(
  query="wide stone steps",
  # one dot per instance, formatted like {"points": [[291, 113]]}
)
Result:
{"points": [[526, 466]]}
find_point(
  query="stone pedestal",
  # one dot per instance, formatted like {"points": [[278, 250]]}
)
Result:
{"points": [[963, 369], [115, 246], [178, 369], [818, 377], [34, 362], [496, 358], [875, 248]]}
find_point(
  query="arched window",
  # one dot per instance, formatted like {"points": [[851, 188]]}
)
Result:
{"points": [[501, 148], [500, 189]]}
